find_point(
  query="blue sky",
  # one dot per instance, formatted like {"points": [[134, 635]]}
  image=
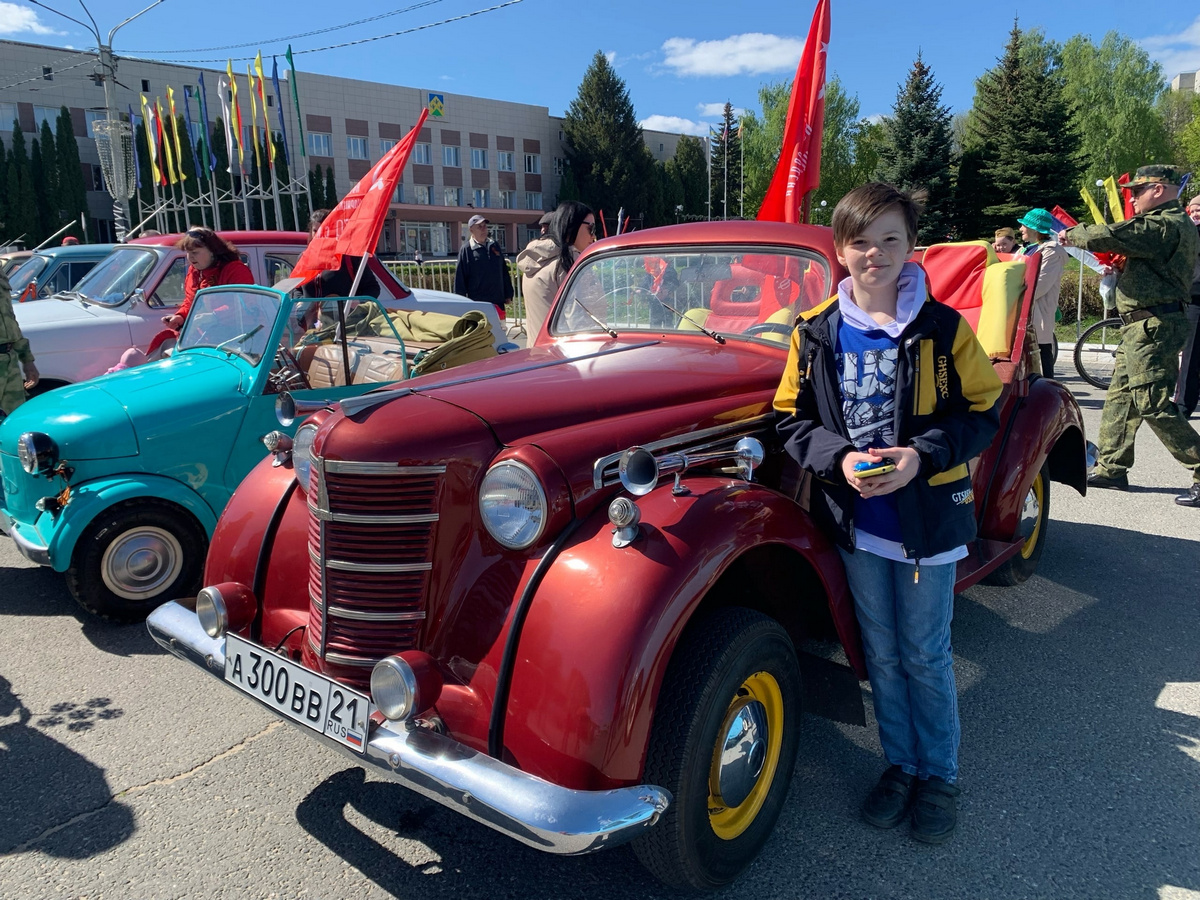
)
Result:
{"points": [[680, 61]]}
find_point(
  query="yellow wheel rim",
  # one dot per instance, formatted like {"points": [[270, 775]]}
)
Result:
{"points": [[1038, 489], [728, 822]]}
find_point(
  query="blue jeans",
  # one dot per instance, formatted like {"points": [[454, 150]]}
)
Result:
{"points": [[906, 638]]}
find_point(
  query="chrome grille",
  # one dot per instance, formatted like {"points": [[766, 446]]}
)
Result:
{"points": [[370, 537]]}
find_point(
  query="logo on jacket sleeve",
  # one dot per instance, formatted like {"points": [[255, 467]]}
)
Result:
{"points": [[962, 498], [943, 378]]}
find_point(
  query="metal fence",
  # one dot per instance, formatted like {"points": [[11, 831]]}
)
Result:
{"points": [[439, 276]]}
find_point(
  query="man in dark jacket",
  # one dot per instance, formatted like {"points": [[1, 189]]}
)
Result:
{"points": [[1160, 246], [482, 272]]}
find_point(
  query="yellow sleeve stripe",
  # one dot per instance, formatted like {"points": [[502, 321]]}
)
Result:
{"points": [[980, 383], [789, 385]]}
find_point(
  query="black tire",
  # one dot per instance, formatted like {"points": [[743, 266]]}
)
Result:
{"points": [[136, 556], [1021, 567], [1096, 352], [721, 667]]}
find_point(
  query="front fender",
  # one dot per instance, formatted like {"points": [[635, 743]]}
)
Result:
{"points": [[604, 622], [1048, 425], [90, 498]]}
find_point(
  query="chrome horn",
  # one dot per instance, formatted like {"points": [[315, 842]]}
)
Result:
{"points": [[639, 469], [288, 409]]}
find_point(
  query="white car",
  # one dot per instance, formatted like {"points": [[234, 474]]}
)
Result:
{"points": [[120, 304]]}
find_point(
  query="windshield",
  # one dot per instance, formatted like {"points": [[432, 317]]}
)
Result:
{"points": [[236, 322], [29, 270], [115, 276], [728, 291]]}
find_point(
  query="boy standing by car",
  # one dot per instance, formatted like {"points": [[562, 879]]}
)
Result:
{"points": [[886, 396]]}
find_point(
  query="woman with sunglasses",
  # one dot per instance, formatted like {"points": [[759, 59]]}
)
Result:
{"points": [[211, 261], [544, 262]]}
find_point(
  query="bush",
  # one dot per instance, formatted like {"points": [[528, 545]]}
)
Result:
{"points": [[1068, 298]]}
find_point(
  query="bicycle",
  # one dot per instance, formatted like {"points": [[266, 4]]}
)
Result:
{"points": [[1096, 352]]}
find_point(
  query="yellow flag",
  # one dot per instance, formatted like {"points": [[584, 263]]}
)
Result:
{"points": [[1097, 216], [237, 116], [151, 140], [268, 144], [175, 134], [169, 168], [1115, 205], [254, 118]]}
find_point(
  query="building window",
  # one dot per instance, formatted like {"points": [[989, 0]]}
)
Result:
{"points": [[533, 200], [356, 147], [504, 160], [660, 148], [423, 195], [422, 154], [145, 85], [385, 146], [478, 158], [270, 99], [398, 193], [47, 73], [44, 114], [480, 198], [97, 179], [450, 157], [452, 196], [320, 144], [533, 165], [560, 165], [508, 199], [8, 115]]}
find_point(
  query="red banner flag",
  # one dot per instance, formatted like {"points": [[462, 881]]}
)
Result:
{"points": [[1127, 195], [353, 228], [798, 171]]}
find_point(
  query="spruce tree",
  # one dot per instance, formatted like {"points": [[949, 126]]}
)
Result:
{"points": [[692, 170], [23, 202], [725, 148], [72, 192], [283, 177], [605, 146], [331, 196], [917, 154], [40, 189], [224, 181], [50, 205], [316, 187]]}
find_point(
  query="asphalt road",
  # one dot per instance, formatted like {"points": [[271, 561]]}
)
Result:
{"points": [[125, 774]]}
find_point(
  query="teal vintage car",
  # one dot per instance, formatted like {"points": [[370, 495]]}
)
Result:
{"points": [[119, 481]]}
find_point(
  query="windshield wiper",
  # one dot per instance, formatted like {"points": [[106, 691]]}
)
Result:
{"points": [[603, 327], [73, 295], [240, 339], [712, 334]]}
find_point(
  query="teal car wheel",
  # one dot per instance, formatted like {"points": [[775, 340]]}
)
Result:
{"points": [[135, 556]]}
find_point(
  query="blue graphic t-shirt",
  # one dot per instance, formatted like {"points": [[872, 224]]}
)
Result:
{"points": [[866, 365]]}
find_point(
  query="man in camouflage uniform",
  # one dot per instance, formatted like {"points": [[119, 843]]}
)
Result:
{"points": [[1160, 245], [14, 355]]}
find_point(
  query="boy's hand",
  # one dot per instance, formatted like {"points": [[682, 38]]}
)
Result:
{"points": [[907, 463]]}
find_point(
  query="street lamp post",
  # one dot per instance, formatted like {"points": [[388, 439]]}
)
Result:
{"points": [[1104, 194], [678, 212]]}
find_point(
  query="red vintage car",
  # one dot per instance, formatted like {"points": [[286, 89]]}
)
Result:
{"points": [[562, 591]]}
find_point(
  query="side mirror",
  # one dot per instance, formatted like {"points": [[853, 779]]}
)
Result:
{"points": [[137, 296]]}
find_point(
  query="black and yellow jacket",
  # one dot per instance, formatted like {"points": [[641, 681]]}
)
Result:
{"points": [[946, 393]]}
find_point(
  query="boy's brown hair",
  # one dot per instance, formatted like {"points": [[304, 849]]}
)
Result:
{"points": [[865, 204]]}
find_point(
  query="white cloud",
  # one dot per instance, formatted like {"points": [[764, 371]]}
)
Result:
{"points": [[611, 56], [739, 54], [674, 125], [1176, 52], [21, 20], [709, 110]]}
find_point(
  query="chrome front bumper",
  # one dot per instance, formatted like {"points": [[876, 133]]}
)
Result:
{"points": [[31, 550], [543, 815]]}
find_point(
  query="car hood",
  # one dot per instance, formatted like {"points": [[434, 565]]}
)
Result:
{"points": [[53, 312], [84, 420]]}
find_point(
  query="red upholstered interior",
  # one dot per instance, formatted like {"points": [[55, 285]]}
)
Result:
{"points": [[760, 286], [954, 273]]}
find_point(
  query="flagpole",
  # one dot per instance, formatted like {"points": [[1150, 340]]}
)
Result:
{"points": [[741, 172], [725, 157], [708, 166]]}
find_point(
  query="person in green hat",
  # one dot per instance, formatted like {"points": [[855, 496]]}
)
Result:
{"points": [[1037, 231], [1160, 245]]}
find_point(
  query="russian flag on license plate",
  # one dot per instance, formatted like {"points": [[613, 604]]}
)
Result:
{"points": [[354, 739]]}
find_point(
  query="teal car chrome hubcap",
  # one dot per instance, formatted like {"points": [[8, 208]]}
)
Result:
{"points": [[141, 562]]}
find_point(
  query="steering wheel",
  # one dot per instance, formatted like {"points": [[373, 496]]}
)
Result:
{"points": [[768, 328], [286, 374]]}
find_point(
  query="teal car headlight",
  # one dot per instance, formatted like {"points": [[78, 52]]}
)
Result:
{"points": [[302, 445], [513, 504], [38, 453]]}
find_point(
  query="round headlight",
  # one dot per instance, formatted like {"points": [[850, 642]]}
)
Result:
{"points": [[302, 453], [38, 453], [393, 688], [211, 611], [513, 504]]}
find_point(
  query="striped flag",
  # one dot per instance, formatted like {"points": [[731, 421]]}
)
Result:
{"points": [[227, 117], [262, 96], [187, 117], [237, 117], [151, 142], [169, 167], [137, 168], [287, 153], [175, 135], [253, 118], [296, 99], [212, 160]]}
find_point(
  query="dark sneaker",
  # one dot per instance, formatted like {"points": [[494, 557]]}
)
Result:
{"points": [[887, 804], [1112, 482], [1191, 498], [934, 811]]}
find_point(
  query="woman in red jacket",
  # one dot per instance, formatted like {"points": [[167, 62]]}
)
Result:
{"points": [[211, 261]]}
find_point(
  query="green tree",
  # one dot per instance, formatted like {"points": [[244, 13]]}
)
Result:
{"points": [[1188, 140], [848, 156], [331, 195], [1177, 109], [762, 138], [19, 189], [689, 167], [1113, 89], [917, 152], [316, 187], [725, 153], [50, 208], [672, 190], [283, 177], [224, 181], [605, 146], [568, 188], [72, 192]]}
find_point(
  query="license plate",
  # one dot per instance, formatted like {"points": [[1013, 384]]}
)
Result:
{"points": [[317, 702]]}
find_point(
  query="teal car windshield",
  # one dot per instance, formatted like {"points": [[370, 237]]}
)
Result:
{"points": [[236, 322], [115, 276], [29, 270]]}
